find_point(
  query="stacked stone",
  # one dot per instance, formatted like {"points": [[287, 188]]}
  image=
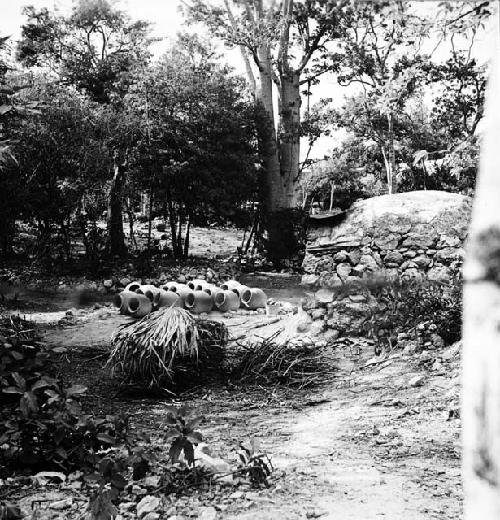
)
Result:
{"points": [[417, 235]]}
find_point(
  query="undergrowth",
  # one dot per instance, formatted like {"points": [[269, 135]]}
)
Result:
{"points": [[414, 308]]}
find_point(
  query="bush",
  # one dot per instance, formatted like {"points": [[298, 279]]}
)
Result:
{"points": [[415, 308], [42, 425]]}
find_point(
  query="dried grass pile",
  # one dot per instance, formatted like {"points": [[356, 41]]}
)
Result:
{"points": [[166, 349], [272, 362]]}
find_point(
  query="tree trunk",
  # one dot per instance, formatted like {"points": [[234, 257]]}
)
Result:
{"points": [[289, 134], [116, 237], [393, 188], [481, 357], [268, 146]]}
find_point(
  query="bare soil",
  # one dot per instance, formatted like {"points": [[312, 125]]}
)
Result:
{"points": [[380, 441]]}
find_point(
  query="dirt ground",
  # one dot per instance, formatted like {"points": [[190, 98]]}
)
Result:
{"points": [[380, 440]]}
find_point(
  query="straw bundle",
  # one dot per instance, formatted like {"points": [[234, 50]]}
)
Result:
{"points": [[163, 344], [270, 362]]}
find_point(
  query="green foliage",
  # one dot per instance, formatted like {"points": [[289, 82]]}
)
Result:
{"points": [[182, 434], [43, 425], [92, 48], [405, 306], [256, 466]]}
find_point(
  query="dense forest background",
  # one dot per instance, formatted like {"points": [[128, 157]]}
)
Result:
{"points": [[96, 130]]}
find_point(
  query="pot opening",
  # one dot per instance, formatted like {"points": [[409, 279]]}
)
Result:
{"points": [[190, 300], [246, 295], [219, 298], [133, 304]]}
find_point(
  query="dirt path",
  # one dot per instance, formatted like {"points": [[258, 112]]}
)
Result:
{"points": [[376, 443]]}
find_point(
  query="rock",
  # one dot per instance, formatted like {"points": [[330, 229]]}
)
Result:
{"points": [[357, 298], [324, 295], [389, 241], [449, 241], [343, 270], [409, 264], [438, 273], [108, 284], [318, 314], [393, 257], [368, 262], [60, 505], [417, 241], [181, 279], [354, 256], [151, 516], [125, 281], [410, 348], [410, 254], [422, 261], [358, 269], [341, 256], [333, 281], [317, 327], [416, 381], [207, 513], [148, 504], [447, 254], [152, 481], [309, 279], [451, 352], [437, 341]]}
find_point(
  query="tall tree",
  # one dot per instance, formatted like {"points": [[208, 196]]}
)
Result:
{"points": [[283, 48], [94, 48], [381, 55]]}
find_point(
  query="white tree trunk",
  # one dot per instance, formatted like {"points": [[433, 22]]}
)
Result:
{"points": [[481, 356]]}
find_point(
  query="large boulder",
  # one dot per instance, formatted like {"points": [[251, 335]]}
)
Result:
{"points": [[382, 232]]}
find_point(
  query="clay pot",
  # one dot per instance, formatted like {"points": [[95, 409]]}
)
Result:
{"points": [[138, 306], [132, 286], [254, 299], [196, 284], [225, 301], [121, 300], [240, 290], [152, 292], [230, 285], [169, 286], [183, 291], [210, 288], [198, 302], [169, 299]]}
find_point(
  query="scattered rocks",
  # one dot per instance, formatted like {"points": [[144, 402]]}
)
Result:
{"points": [[148, 504]]}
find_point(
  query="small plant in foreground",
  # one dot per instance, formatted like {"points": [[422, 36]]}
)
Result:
{"points": [[181, 432], [256, 466]]}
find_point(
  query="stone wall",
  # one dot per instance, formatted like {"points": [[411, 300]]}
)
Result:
{"points": [[417, 234]]}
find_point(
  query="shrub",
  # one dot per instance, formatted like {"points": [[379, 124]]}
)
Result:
{"points": [[413, 306], [42, 424]]}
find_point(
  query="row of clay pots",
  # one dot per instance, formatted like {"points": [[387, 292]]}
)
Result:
{"points": [[198, 296]]}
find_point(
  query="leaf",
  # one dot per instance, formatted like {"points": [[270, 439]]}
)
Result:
{"points": [[172, 433], [175, 450], [119, 481], [20, 381], [12, 390], [195, 437], [104, 437], [76, 390], [193, 423], [188, 452], [62, 453], [41, 383]]}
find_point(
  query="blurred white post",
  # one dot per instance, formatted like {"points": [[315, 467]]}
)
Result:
{"points": [[481, 356]]}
